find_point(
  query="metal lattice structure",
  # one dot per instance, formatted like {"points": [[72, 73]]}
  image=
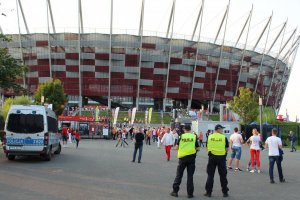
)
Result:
{"points": [[145, 69]]}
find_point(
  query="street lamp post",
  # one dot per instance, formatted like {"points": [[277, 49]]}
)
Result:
{"points": [[260, 103]]}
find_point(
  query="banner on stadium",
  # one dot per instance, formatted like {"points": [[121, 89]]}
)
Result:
{"points": [[116, 115], [133, 115], [150, 115]]}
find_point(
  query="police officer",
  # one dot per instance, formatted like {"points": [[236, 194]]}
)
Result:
{"points": [[187, 148], [217, 147]]}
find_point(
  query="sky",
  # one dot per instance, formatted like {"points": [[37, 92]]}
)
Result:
{"points": [[126, 16]]}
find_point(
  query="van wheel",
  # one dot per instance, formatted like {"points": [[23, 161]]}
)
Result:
{"points": [[11, 157], [48, 155], [58, 150]]}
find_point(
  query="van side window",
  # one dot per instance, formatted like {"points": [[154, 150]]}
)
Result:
{"points": [[52, 124], [25, 123]]}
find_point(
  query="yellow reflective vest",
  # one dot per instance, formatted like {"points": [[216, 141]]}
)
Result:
{"points": [[216, 144], [187, 145]]}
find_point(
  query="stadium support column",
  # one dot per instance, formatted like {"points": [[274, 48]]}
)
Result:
{"points": [[221, 53], [23, 16], [200, 14], [49, 45], [51, 15], [196, 56], [244, 50], [110, 47], [20, 45], [275, 66], [293, 48], [289, 75], [140, 56], [79, 55], [170, 52], [263, 56]]}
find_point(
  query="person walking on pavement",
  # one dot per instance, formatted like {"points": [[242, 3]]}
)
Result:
{"points": [[274, 144], [292, 140], [124, 138], [236, 141], [77, 137], [200, 137], [120, 140], [138, 144], [168, 141], [187, 148], [254, 143], [217, 148]]}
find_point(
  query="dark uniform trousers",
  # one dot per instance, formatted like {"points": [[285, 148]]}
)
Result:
{"points": [[213, 162], [189, 163]]}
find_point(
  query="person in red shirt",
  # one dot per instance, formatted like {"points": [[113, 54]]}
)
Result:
{"points": [[200, 137], [64, 135], [77, 137]]}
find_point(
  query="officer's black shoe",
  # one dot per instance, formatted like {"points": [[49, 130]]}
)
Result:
{"points": [[190, 196], [225, 194], [282, 180], [174, 194], [207, 194], [272, 181]]}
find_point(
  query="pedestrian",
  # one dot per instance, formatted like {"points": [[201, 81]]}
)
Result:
{"points": [[175, 136], [168, 140], [207, 134], [77, 137], [158, 133], [217, 148], [235, 144], [154, 137], [64, 135], [124, 137], [292, 139], [274, 144], [138, 144], [114, 132], [120, 139], [70, 135], [148, 136], [254, 144], [187, 148], [200, 137]]}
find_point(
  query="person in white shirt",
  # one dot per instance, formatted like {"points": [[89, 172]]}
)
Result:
{"points": [[236, 141], [274, 144], [168, 141], [254, 142]]}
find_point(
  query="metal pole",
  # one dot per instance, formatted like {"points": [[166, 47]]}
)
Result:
{"points": [[79, 64], [260, 115], [49, 45], [170, 52], [140, 58], [110, 46], [20, 43]]}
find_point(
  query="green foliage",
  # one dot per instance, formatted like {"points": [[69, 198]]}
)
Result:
{"points": [[10, 69], [20, 100], [53, 93], [245, 105], [268, 115]]}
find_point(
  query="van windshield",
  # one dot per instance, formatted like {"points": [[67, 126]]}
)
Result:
{"points": [[25, 123]]}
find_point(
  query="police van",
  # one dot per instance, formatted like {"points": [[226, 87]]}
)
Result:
{"points": [[31, 130]]}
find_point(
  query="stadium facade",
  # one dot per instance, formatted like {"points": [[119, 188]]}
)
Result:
{"points": [[162, 72]]}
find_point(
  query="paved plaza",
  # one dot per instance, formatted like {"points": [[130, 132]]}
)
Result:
{"points": [[98, 170]]}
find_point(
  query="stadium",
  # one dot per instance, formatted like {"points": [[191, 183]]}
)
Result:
{"points": [[160, 71]]}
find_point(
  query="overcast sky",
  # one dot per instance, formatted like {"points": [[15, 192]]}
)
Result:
{"points": [[96, 18]]}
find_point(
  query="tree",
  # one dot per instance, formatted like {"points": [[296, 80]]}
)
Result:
{"points": [[20, 100], [10, 69], [245, 105], [53, 93]]}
